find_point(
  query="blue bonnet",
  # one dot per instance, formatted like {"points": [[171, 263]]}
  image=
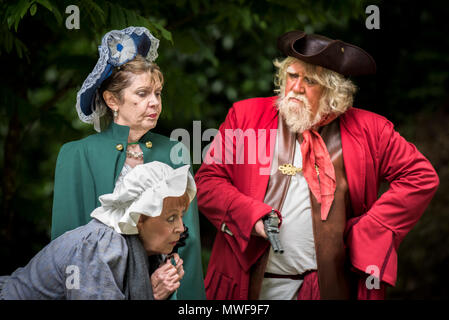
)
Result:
{"points": [[117, 48]]}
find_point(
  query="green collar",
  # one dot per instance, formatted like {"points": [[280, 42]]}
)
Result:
{"points": [[117, 132], [121, 133]]}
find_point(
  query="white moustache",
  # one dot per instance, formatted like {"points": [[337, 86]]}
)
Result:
{"points": [[299, 97]]}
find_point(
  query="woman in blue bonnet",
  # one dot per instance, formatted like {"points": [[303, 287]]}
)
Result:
{"points": [[124, 252], [122, 94]]}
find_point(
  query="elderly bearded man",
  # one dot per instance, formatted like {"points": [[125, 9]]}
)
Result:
{"points": [[327, 162]]}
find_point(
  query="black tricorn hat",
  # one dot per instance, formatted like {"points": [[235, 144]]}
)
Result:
{"points": [[336, 55]]}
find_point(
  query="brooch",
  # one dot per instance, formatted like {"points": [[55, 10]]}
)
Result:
{"points": [[289, 169]]}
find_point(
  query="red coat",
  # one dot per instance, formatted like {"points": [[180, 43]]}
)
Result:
{"points": [[372, 151]]}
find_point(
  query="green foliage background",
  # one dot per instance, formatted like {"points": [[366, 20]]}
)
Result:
{"points": [[213, 53]]}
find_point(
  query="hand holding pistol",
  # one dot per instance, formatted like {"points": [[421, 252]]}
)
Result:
{"points": [[271, 222]]}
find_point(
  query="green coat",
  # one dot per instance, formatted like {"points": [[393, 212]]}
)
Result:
{"points": [[88, 168]]}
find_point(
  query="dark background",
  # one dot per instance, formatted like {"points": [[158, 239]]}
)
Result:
{"points": [[213, 53]]}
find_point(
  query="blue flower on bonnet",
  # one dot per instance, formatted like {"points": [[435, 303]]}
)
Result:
{"points": [[117, 48], [122, 49]]}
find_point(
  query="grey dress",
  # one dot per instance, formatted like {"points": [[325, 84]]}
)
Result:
{"points": [[89, 262]]}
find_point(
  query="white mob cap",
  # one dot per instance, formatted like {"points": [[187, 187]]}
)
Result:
{"points": [[142, 192]]}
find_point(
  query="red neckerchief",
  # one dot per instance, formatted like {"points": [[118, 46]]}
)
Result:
{"points": [[316, 158]]}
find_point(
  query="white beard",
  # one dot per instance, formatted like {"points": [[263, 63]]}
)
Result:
{"points": [[298, 116]]}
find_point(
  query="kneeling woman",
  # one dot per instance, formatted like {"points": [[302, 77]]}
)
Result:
{"points": [[124, 252]]}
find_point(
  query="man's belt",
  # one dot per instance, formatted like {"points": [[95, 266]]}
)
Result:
{"points": [[284, 276]]}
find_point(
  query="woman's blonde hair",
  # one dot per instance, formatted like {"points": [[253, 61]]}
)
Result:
{"points": [[338, 94]]}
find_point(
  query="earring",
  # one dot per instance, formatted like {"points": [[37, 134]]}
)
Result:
{"points": [[115, 113]]}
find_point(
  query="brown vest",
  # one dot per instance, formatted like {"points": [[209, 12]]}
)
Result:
{"points": [[333, 277]]}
